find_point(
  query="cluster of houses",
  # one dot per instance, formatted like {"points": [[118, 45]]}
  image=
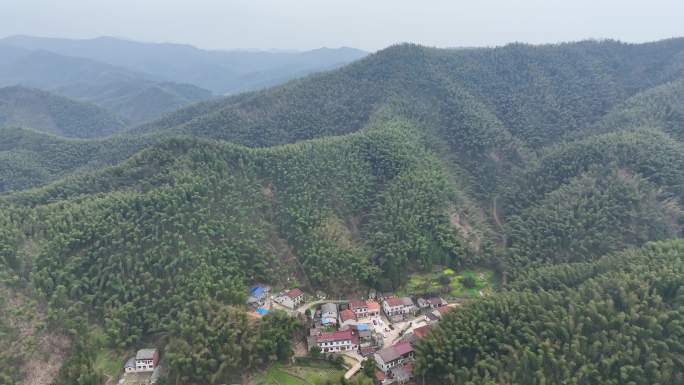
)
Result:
{"points": [[356, 326], [348, 327], [340, 328]]}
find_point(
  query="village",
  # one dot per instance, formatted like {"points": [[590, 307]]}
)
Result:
{"points": [[379, 329], [382, 326]]}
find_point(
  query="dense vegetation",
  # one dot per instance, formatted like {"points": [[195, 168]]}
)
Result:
{"points": [[188, 222], [29, 158], [535, 162], [614, 321], [52, 114], [137, 101]]}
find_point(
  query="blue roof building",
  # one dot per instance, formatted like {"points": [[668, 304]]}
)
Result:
{"points": [[257, 292]]}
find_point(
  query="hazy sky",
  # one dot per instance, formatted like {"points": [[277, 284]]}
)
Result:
{"points": [[366, 24]]}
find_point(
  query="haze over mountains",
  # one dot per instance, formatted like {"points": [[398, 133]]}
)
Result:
{"points": [[222, 72], [142, 81], [553, 165]]}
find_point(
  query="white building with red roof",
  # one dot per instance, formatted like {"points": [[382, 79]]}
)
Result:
{"points": [[291, 298], [373, 309], [360, 308], [340, 341], [395, 307]]}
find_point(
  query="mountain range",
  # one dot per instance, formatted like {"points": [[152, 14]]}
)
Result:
{"points": [[559, 167], [142, 81]]}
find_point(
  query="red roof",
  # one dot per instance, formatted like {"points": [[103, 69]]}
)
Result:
{"points": [[336, 336], [294, 293], [422, 331], [372, 305], [443, 309], [346, 315], [368, 350], [394, 301], [357, 304], [403, 348]]}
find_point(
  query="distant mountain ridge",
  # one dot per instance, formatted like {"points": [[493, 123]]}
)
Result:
{"points": [[135, 97], [222, 72]]}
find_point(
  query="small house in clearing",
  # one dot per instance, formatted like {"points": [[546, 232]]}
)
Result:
{"points": [[145, 360], [291, 298]]}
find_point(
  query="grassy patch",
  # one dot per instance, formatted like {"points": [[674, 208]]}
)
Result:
{"points": [[448, 283], [109, 363], [310, 374], [276, 376]]}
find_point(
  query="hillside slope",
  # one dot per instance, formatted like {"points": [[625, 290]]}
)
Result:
{"points": [[29, 158], [137, 101], [518, 159], [613, 321], [489, 109], [52, 114]]}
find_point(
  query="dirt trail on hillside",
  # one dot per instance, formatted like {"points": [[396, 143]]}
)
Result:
{"points": [[497, 221]]}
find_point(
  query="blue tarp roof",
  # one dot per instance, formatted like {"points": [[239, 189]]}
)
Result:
{"points": [[362, 327], [262, 311], [257, 291]]}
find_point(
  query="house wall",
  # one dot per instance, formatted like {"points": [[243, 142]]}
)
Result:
{"points": [[336, 346], [286, 301], [144, 365]]}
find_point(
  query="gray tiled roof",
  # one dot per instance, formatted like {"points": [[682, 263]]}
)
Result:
{"points": [[130, 363], [145, 354], [329, 308]]}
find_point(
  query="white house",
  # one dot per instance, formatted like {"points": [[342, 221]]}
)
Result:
{"points": [[145, 360], [360, 308], [340, 341], [291, 299], [398, 307], [393, 356]]}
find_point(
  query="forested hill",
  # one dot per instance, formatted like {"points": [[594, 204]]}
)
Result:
{"points": [[53, 114], [489, 108], [535, 93], [614, 321], [542, 163]]}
